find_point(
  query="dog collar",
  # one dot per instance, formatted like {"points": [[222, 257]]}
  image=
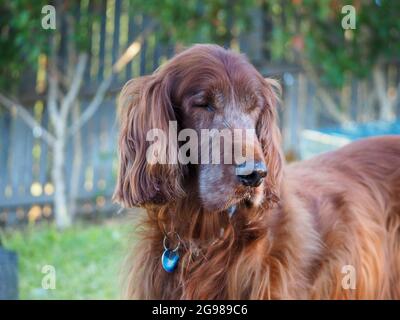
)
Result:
{"points": [[170, 256]]}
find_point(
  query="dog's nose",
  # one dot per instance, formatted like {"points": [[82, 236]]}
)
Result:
{"points": [[251, 173]]}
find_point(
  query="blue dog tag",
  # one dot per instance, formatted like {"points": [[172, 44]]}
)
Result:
{"points": [[169, 260]]}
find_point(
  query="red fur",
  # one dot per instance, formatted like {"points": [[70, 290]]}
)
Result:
{"points": [[316, 216]]}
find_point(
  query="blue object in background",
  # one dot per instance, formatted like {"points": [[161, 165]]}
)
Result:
{"points": [[314, 142], [8, 275]]}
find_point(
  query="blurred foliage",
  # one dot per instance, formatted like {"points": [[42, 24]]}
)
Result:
{"points": [[22, 38], [314, 29], [311, 27], [87, 260], [194, 21]]}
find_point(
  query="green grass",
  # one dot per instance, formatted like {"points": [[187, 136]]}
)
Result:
{"points": [[86, 258]]}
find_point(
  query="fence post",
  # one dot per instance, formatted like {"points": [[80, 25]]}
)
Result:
{"points": [[8, 275]]}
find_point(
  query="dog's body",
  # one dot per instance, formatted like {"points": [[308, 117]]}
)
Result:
{"points": [[324, 228], [353, 198]]}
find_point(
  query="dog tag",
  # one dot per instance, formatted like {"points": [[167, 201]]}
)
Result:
{"points": [[232, 210], [169, 260]]}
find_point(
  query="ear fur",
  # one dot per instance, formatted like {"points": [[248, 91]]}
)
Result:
{"points": [[270, 138], [145, 104]]}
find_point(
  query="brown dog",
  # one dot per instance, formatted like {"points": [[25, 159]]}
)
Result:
{"points": [[326, 228]]}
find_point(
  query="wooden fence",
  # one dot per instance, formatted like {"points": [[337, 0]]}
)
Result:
{"points": [[26, 190]]}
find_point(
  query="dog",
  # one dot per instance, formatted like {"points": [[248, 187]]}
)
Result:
{"points": [[325, 228]]}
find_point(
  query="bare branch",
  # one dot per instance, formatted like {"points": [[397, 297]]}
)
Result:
{"points": [[93, 106], [132, 50], [72, 94], [384, 101], [52, 94], [53, 86], [387, 103], [27, 118], [396, 99], [125, 58], [324, 95], [330, 104]]}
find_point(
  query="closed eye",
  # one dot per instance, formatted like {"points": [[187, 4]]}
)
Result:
{"points": [[206, 106], [210, 108]]}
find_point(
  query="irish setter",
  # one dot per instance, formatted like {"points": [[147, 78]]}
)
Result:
{"points": [[325, 228]]}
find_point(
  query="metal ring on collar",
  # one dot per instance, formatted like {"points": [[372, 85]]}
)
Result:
{"points": [[166, 238]]}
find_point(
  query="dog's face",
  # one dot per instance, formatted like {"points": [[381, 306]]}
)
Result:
{"points": [[226, 98], [221, 97]]}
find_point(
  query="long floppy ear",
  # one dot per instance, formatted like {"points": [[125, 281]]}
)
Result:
{"points": [[270, 138], [144, 105]]}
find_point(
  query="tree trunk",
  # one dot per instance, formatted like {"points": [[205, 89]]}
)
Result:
{"points": [[385, 105], [59, 107], [76, 166], [63, 219]]}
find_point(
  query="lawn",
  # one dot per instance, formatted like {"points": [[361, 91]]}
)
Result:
{"points": [[86, 260]]}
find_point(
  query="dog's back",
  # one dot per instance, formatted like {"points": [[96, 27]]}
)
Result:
{"points": [[373, 163], [355, 192]]}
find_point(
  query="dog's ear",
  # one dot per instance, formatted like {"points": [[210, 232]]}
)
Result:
{"points": [[145, 104], [270, 137]]}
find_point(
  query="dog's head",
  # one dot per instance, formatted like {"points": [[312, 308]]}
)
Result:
{"points": [[209, 91]]}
